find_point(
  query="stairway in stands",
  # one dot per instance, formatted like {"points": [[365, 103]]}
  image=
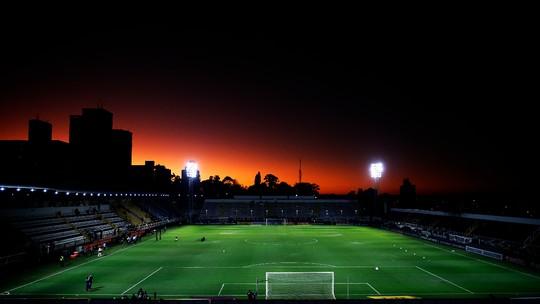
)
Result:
{"points": [[132, 213]]}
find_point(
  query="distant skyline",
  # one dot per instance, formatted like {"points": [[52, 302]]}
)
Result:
{"points": [[437, 101]]}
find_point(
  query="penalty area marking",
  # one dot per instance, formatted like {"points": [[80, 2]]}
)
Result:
{"points": [[155, 271], [292, 265], [372, 288], [289, 264], [74, 267], [221, 289], [443, 279]]}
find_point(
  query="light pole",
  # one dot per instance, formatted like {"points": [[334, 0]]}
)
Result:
{"points": [[191, 173], [375, 170]]}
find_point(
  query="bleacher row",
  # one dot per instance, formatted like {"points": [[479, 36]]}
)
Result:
{"points": [[506, 238], [335, 210], [56, 230]]}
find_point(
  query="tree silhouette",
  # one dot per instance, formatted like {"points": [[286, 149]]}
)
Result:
{"points": [[228, 181], [284, 189], [271, 181], [306, 189]]}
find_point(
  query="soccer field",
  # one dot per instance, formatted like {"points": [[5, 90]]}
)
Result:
{"points": [[233, 258]]}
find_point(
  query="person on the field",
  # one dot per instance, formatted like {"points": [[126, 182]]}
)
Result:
{"points": [[89, 281], [61, 260], [176, 238], [250, 295], [203, 239], [100, 252]]}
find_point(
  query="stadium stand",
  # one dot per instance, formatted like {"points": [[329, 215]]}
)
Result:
{"points": [[53, 229], [511, 238], [258, 209], [132, 213]]}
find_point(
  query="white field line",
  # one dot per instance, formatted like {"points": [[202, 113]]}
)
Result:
{"points": [[74, 267], [289, 263], [221, 289], [298, 283], [483, 261], [373, 288], [285, 266], [445, 280], [526, 298], [84, 295], [155, 271]]}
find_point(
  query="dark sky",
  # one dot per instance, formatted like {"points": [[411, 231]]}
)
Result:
{"points": [[439, 99]]}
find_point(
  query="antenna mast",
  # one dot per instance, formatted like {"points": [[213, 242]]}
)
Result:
{"points": [[300, 172]]}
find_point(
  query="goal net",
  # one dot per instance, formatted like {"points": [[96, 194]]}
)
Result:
{"points": [[300, 285], [275, 221]]}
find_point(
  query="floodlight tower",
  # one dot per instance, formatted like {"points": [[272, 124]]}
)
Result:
{"points": [[376, 170], [191, 173]]}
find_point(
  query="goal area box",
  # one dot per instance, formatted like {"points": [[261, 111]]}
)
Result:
{"points": [[300, 285]]}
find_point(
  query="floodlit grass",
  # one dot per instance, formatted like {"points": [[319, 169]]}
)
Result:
{"points": [[232, 258]]}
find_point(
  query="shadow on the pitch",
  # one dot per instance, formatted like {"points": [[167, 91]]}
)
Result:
{"points": [[97, 288]]}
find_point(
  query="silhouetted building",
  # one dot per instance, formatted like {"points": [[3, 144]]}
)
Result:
{"points": [[75, 127], [102, 155], [38, 161], [163, 177], [407, 194], [368, 203], [150, 177], [39, 131], [121, 141], [94, 126]]}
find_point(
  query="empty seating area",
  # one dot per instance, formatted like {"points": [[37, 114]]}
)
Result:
{"points": [[159, 211], [58, 228], [508, 238], [294, 210]]}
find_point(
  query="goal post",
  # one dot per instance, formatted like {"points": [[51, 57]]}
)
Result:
{"points": [[300, 285], [275, 221]]}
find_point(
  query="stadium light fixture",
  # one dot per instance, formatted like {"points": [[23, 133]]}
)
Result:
{"points": [[376, 170], [191, 169], [2, 189], [44, 190]]}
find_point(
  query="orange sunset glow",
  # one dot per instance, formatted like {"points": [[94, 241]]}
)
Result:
{"points": [[260, 99], [159, 136]]}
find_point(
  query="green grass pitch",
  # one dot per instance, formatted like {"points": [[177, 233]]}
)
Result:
{"points": [[232, 258]]}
